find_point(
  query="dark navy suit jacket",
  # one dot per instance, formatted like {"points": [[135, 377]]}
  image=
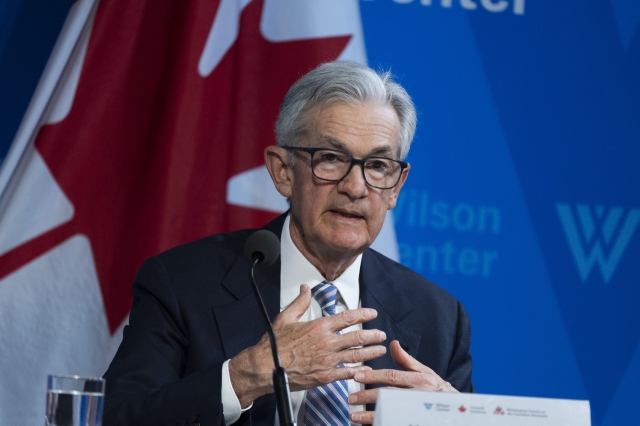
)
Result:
{"points": [[194, 308]]}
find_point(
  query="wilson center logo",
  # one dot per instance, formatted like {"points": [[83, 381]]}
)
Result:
{"points": [[597, 235]]}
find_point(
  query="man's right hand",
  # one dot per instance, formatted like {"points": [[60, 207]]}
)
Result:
{"points": [[310, 352]]}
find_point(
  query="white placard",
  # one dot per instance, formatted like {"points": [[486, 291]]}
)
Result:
{"points": [[399, 407]]}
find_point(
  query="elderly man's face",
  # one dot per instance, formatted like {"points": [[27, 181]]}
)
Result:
{"points": [[330, 218]]}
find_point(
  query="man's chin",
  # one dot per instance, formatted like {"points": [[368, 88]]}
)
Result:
{"points": [[348, 243]]}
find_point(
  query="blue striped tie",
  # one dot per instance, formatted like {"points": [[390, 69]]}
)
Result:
{"points": [[327, 405]]}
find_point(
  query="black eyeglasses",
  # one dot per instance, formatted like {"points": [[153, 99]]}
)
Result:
{"points": [[333, 165]]}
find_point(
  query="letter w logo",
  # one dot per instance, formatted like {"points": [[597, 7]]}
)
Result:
{"points": [[600, 238]]}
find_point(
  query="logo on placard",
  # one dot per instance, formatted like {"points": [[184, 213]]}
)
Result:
{"points": [[462, 409], [597, 235], [428, 405], [499, 411]]}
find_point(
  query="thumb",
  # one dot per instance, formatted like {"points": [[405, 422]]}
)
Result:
{"points": [[403, 359], [298, 307]]}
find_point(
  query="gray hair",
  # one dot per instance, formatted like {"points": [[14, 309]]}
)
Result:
{"points": [[348, 82]]}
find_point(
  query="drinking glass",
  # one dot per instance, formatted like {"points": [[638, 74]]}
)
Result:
{"points": [[74, 401]]}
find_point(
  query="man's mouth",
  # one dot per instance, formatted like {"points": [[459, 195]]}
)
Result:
{"points": [[347, 214]]}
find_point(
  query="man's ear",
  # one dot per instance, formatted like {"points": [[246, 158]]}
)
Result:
{"points": [[395, 191], [277, 162]]}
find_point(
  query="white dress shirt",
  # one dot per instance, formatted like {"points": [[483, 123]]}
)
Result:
{"points": [[296, 270]]}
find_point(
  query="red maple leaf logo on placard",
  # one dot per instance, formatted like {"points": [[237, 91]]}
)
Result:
{"points": [[148, 146], [462, 409]]}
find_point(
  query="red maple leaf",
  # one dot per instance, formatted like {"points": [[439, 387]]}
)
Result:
{"points": [[148, 146]]}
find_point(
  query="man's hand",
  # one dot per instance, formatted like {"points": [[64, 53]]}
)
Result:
{"points": [[310, 352], [415, 376]]}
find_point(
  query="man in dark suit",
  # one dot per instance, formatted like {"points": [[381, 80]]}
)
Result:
{"points": [[195, 349]]}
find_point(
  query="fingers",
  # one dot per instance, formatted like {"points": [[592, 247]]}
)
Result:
{"points": [[347, 373], [397, 378], [404, 379], [359, 338], [360, 368], [406, 361], [351, 317], [363, 397], [328, 376], [354, 356], [297, 308], [362, 417]]}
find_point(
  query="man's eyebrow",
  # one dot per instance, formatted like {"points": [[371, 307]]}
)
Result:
{"points": [[380, 150]]}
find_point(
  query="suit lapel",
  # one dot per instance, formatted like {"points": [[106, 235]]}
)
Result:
{"points": [[241, 323], [379, 291]]}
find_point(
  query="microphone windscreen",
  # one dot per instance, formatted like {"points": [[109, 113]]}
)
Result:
{"points": [[264, 244]]}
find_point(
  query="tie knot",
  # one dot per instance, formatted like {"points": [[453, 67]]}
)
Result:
{"points": [[325, 294]]}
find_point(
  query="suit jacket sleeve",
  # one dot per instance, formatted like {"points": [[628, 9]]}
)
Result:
{"points": [[147, 381]]}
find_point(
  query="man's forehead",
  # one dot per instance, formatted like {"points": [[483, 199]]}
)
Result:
{"points": [[327, 123]]}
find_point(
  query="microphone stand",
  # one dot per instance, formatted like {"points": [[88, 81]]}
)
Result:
{"points": [[280, 381]]}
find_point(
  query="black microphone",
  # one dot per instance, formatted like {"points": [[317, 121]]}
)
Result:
{"points": [[263, 248]]}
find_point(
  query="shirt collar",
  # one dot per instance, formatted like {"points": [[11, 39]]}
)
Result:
{"points": [[297, 270]]}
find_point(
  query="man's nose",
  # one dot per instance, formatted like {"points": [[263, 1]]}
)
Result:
{"points": [[353, 183]]}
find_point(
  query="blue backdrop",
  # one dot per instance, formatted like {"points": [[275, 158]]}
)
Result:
{"points": [[524, 194]]}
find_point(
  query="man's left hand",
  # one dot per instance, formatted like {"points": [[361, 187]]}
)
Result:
{"points": [[415, 376]]}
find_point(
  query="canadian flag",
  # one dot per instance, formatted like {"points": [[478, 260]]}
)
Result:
{"points": [[146, 131]]}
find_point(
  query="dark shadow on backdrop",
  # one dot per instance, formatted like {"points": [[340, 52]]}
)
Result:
{"points": [[28, 31]]}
